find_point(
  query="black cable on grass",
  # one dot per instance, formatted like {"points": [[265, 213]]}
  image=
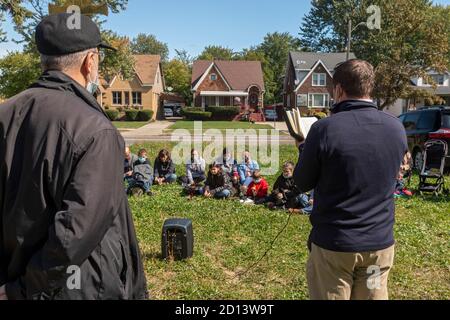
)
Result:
{"points": [[254, 265]]}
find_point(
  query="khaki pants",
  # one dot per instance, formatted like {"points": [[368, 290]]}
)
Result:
{"points": [[349, 276]]}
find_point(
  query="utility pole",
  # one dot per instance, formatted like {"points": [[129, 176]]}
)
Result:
{"points": [[349, 37]]}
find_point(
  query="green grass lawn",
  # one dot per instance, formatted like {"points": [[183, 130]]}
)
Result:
{"points": [[129, 124], [230, 237], [220, 125]]}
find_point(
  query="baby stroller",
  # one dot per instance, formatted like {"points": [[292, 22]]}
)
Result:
{"points": [[432, 175]]}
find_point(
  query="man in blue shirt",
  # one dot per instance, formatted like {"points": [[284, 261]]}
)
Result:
{"points": [[352, 160]]}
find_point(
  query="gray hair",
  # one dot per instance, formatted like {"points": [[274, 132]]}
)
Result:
{"points": [[63, 62]]}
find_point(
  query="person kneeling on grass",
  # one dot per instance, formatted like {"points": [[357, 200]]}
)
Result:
{"points": [[257, 191], [142, 176], [218, 184], [164, 168]]}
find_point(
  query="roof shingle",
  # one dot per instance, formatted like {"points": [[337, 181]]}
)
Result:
{"points": [[240, 75]]}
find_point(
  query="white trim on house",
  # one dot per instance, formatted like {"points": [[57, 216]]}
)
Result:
{"points": [[223, 93], [319, 75], [311, 100], [312, 71], [205, 74]]}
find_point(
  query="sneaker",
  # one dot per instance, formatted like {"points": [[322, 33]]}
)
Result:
{"points": [[407, 193], [149, 193], [249, 202]]}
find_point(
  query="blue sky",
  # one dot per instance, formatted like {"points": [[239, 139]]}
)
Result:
{"points": [[193, 24]]}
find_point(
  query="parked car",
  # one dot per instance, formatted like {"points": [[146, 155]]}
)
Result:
{"points": [[423, 125], [271, 114], [168, 113]]}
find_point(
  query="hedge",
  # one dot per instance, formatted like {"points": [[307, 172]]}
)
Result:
{"points": [[131, 115], [320, 115], [196, 115], [224, 113], [145, 115], [112, 115]]}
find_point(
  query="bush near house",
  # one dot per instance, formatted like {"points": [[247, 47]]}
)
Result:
{"points": [[223, 113], [145, 115], [196, 114], [112, 115], [131, 115], [320, 115]]}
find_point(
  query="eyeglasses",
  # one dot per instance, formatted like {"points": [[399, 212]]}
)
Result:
{"points": [[101, 55]]}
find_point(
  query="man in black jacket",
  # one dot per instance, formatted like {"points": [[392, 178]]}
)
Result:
{"points": [[66, 231], [352, 160]]}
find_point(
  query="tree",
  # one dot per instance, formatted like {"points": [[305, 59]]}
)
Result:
{"points": [[216, 53], [184, 57], [276, 47], [413, 39], [26, 14], [18, 72], [177, 75], [118, 62], [148, 44]]}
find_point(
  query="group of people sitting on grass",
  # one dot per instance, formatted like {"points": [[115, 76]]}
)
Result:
{"points": [[225, 178]]}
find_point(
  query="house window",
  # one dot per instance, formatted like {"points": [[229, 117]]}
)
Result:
{"points": [[302, 100], [222, 101], [117, 97], [137, 98], [213, 77], [210, 101], [437, 79], [321, 100], [127, 98], [319, 79]]}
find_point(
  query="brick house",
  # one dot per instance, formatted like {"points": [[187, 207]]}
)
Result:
{"points": [[308, 83], [228, 83], [142, 92]]}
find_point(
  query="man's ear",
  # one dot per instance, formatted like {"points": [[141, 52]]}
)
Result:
{"points": [[88, 64]]}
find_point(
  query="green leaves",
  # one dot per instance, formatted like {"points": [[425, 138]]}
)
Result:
{"points": [[149, 44], [18, 72]]}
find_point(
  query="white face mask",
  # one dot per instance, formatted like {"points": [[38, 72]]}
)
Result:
{"points": [[92, 86]]}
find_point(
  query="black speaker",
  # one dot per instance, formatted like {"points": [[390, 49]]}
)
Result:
{"points": [[177, 239]]}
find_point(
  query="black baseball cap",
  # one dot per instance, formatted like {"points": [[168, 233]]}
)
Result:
{"points": [[55, 35]]}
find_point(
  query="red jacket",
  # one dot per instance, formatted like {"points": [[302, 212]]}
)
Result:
{"points": [[262, 189]]}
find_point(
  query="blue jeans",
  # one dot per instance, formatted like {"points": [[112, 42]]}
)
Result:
{"points": [[146, 186], [303, 201], [224, 194], [171, 178]]}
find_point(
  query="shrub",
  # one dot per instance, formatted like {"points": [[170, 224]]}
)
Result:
{"points": [[131, 115], [145, 115], [224, 113], [120, 109], [196, 115], [320, 115], [190, 109], [112, 115]]}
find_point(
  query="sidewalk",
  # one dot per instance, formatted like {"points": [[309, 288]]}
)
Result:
{"points": [[153, 129]]}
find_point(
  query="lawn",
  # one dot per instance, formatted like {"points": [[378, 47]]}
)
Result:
{"points": [[220, 125], [230, 237], [129, 124]]}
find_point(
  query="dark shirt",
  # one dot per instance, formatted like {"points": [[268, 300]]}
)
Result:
{"points": [[352, 160], [162, 169]]}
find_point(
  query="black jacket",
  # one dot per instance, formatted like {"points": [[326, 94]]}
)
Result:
{"points": [[352, 160], [163, 169], [64, 213], [286, 186], [217, 183]]}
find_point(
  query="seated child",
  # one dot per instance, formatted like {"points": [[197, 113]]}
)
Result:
{"points": [[142, 177], [285, 193], [130, 159], [218, 183], [164, 168], [257, 191]]}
